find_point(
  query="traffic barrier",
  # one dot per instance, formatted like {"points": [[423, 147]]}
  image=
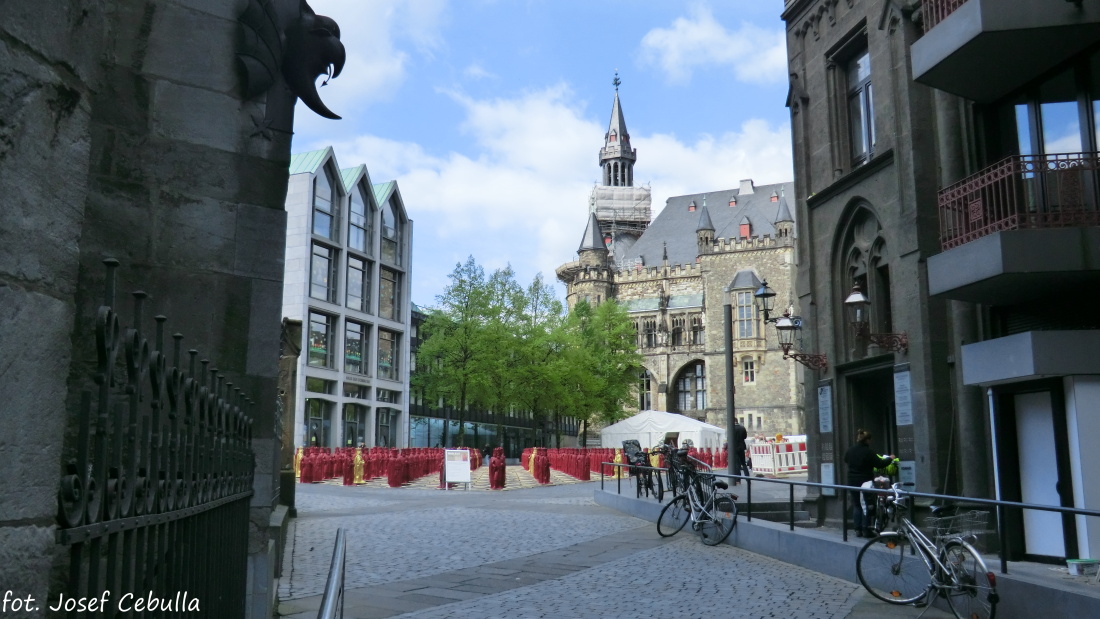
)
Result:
{"points": [[779, 459]]}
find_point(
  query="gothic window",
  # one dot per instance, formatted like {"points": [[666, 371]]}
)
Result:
{"points": [[650, 327], [645, 391], [691, 388], [697, 329], [746, 315], [678, 331]]}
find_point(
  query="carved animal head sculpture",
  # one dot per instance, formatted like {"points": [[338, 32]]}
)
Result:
{"points": [[295, 42]]}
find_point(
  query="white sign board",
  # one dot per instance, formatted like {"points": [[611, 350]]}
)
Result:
{"points": [[458, 466], [825, 409], [828, 476], [903, 401], [907, 474]]}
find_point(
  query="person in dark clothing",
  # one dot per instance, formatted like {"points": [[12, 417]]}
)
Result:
{"points": [[862, 462], [740, 434]]}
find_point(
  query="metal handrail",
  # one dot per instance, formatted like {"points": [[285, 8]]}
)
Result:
{"points": [[999, 504], [332, 603]]}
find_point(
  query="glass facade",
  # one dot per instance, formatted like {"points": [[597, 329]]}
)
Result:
{"points": [[320, 340], [389, 294], [391, 236], [355, 422], [387, 355], [324, 210], [317, 423], [322, 273], [355, 339], [358, 223], [358, 297]]}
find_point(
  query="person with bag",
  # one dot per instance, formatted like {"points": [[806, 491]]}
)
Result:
{"points": [[862, 462]]}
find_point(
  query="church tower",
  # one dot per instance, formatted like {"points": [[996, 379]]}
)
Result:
{"points": [[622, 210]]}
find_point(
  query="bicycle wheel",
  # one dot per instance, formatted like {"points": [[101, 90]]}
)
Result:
{"points": [[973, 592], [889, 568], [715, 529], [639, 482], [674, 516], [660, 488]]}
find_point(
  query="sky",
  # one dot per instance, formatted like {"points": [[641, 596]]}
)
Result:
{"points": [[490, 114]]}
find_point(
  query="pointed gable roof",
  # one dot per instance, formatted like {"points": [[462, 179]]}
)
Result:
{"points": [[784, 213], [617, 127], [592, 238], [309, 162], [704, 219]]}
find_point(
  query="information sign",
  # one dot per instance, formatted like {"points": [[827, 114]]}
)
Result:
{"points": [[458, 466]]}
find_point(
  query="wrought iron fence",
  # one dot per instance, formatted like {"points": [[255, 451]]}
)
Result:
{"points": [[936, 11], [154, 506], [1023, 191]]}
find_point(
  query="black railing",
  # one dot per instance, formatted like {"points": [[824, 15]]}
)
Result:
{"points": [[332, 602], [154, 506], [1000, 506]]}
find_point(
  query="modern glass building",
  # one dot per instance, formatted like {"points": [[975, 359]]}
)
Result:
{"points": [[348, 264]]}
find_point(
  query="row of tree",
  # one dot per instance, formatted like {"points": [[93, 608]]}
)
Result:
{"points": [[494, 345]]}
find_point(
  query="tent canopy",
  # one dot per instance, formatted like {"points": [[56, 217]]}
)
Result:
{"points": [[651, 427]]}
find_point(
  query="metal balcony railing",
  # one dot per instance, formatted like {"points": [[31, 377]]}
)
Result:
{"points": [[936, 11], [1022, 191]]}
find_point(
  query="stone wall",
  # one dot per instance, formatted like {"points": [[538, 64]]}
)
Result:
{"points": [[123, 134]]}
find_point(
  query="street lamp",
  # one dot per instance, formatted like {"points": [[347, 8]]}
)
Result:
{"points": [[766, 297], [856, 306], [731, 392], [789, 329]]}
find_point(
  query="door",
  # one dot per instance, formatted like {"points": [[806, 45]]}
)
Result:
{"points": [[1038, 457]]}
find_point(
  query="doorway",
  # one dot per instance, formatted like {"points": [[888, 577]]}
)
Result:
{"points": [[871, 401]]}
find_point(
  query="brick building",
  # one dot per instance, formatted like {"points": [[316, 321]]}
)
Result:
{"points": [[673, 274]]}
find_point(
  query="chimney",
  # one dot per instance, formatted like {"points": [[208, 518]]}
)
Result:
{"points": [[746, 187]]}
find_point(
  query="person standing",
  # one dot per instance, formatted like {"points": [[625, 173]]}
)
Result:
{"points": [[862, 462], [740, 436]]}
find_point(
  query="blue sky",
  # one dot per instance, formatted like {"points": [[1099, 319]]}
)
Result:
{"points": [[490, 114]]}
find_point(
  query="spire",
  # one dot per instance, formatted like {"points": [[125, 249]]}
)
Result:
{"points": [[592, 238], [617, 157], [784, 213], [704, 218]]}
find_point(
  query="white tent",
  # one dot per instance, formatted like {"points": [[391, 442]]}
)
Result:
{"points": [[652, 427]]}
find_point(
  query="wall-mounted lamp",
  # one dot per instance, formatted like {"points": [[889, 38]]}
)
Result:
{"points": [[789, 329], [856, 308]]}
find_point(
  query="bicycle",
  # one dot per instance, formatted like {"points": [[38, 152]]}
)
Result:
{"points": [[676, 463], [712, 514], [948, 565], [645, 476]]}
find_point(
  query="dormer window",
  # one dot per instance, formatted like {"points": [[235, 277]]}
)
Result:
{"points": [[612, 137], [745, 229], [733, 202], [775, 197], [691, 207]]}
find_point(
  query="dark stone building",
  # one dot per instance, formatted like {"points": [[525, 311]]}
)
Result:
{"points": [[945, 163]]}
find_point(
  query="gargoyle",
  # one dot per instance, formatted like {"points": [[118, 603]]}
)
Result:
{"points": [[300, 46]]}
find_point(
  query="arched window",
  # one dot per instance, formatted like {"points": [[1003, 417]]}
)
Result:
{"points": [[691, 388], [645, 391], [391, 235]]}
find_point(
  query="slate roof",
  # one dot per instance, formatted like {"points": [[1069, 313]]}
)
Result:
{"points": [[676, 225], [592, 238]]}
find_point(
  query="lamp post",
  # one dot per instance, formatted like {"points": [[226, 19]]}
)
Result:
{"points": [[856, 306], [727, 336]]}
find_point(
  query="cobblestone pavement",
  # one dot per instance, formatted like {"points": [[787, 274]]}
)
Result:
{"points": [[540, 552]]}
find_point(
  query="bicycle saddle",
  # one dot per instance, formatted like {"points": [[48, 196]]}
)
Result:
{"points": [[936, 509], [721, 485]]}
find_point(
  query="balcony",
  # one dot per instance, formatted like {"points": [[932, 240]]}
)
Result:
{"points": [[1027, 223], [984, 49]]}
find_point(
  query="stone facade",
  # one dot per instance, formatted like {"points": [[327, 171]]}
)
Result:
{"points": [[868, 212], [124, 134], [745, 237]]}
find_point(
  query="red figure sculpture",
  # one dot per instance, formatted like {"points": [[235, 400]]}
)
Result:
{"points": [[496, 469]]}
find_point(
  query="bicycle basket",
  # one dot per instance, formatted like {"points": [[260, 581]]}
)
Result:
{"points": [[972, 523]]}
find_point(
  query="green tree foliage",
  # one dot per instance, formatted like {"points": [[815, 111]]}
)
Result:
{"points": [[492, 344]]}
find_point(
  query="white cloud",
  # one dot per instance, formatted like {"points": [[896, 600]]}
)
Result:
{"points": [[520, 194], [754, 54], [477, 72], [375, 68]]}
